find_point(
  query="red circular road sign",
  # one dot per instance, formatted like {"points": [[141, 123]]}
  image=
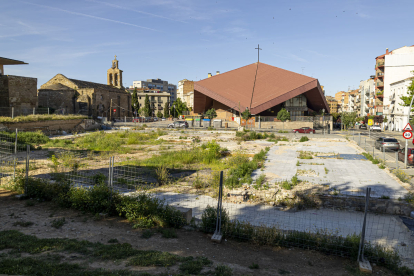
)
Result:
{"points": [[408, 134], [114, 110]]}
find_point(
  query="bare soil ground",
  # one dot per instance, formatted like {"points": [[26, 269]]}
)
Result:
{"points": [[236, 255]]}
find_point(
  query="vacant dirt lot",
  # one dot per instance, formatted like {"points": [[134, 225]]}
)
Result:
{"points": [[238, 256]]}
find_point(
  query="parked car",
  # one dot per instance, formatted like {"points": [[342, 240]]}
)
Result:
{"points": [[410, 157], [362, 126], [155, 119], [178, 124], [375, 128], [387, 144], [163, 119], [304, 130]]}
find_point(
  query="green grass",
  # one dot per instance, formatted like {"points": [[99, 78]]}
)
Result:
{"points": [[113, 241], [146, 234], [36, 118], [25, 137], [304, 139], [194, 266], [58, 223], [50, 263], [168, 233], [305, 155]]}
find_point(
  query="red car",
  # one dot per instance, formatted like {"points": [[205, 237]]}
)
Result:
{"points": [[304, 130], [410, 157]]}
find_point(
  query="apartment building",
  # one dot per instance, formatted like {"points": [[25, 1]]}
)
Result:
{"points": [[185, 91], [398, 113], [367, 96], [343, 100], [398, 67], [157, 99], [333, 104], [157, 85]]}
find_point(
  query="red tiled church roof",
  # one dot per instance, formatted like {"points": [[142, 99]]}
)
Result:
{"points": [[273, 86]]}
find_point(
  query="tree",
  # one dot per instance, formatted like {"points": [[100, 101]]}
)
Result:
{"points": [[178, 107], [407, 99], [385, 119], [283, 115], [348, 119], [335, 116], [246, 115], [211, 113], [159, 114], [147, 107], [134, 102], [166, 109]]}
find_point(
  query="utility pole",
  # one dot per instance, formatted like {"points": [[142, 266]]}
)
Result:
{"points": [[110, 112]]}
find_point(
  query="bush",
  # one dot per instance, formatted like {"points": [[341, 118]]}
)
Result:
{"points": [[304, 139], [209, 219], [401, 175]]}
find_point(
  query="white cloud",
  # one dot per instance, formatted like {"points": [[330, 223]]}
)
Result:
{"points": [[92, 16]]}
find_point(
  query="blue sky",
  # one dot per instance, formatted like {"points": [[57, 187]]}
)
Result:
{"points": [[334, 41]]}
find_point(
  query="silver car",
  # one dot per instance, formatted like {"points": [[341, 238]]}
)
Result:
{"points": [[386, 143]]}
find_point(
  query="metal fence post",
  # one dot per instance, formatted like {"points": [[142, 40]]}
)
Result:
{"points": [[396, 159], [110, 176], [217, 234], [27, 168], [12, 113], [383, 150], [359, 139], [362, 241], [373, 151], [15, 156], [48, 111], [33, 110]]}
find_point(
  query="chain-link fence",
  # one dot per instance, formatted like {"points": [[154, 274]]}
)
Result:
{"points": [[352, 222], [23, 111]]}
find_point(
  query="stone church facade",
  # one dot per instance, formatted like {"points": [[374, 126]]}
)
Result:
{"points": [[72, 96]]}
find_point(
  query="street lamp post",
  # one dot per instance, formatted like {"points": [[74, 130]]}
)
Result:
{"points": [[323, 121]]}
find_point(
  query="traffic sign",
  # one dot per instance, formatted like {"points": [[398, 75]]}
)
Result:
{"points": [[114, 110], [370, 122], [408, 127], [408, 134]]}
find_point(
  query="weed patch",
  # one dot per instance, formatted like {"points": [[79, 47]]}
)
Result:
{"points": [[23, 223], [58, 223], [304, 139]]}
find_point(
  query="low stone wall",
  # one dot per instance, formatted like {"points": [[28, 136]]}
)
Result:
{"points": [[376, 205], [285, 125], [45, 126]]}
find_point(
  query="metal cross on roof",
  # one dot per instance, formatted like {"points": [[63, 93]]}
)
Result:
{"points": [[115, 56], [258, 49]]}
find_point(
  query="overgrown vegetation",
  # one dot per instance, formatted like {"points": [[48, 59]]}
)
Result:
{"points": [[50, 264], [240, 174], [305, 155], [401, 175], [141, 210], [25, 137], [304, 139], [36, 118]]}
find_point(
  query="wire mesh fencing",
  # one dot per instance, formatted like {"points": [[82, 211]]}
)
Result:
{"points": [[23, 111], [351, 222]]}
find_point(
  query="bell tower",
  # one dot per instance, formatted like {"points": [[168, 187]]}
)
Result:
{"points": [[114, 75]]}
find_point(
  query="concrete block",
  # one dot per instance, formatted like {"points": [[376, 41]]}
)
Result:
{"points": [[365, 267], [187, 213], [217, 237]]}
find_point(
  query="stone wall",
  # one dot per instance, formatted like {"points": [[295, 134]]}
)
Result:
{"points": [[58, 99], [376, 205], [46, 126], [18, 92]]}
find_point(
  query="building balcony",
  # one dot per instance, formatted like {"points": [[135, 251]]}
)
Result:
{"points": [[379, 84], [380, 63], [380, 74]]}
